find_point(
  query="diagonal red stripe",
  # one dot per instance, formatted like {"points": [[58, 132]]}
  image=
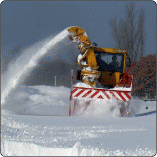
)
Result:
{"points": [[87, 93], [100, 97], [114, 95], [74, 90], [119, 93], [79, 93], [126, 93], [106, 94], [94, 94]]}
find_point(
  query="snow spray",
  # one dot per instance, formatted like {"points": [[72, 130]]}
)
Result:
{"points": [[18, 70], [102, 109]]}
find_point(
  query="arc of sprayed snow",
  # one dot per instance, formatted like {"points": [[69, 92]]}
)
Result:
{"points": [[13, 82]]}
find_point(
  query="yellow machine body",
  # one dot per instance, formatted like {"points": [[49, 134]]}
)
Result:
{"points": [[104, 77]]}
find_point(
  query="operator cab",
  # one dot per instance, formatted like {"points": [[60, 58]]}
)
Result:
{"points": [[111, 65], [111, 62]]}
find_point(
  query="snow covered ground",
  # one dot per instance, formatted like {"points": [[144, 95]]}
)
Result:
{"points": [[35, 121]]}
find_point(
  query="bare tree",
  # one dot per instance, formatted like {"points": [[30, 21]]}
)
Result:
{"points": [[129, 34]]}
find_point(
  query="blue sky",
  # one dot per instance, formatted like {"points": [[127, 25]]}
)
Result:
{"points": [[27, 22]]}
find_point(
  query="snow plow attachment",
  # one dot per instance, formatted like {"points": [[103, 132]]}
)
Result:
{"points": [[81, 97]]}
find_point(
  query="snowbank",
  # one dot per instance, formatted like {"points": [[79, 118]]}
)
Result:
{"points": [[138, 106], [11, 148], [99, 132], [38, 100], [85, 136]]}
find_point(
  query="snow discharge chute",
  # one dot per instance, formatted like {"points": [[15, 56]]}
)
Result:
{"points": [[102, 75]]}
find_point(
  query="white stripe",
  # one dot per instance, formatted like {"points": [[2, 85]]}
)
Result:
{"points": [[102, 94], [129, 94], [96, 96], [126, 98], [86, 90], [117, 95], [90, 94], [76, 92], [108, 93]]}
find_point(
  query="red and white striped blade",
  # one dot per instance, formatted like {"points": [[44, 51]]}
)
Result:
{"points": [[90, 93]]}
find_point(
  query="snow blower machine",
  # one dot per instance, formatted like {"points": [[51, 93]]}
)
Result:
{"points": [[102, 75]]}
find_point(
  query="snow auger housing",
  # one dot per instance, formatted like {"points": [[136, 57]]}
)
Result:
{"points": [[103, 71]]}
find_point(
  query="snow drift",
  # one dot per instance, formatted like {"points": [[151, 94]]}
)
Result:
{"points": [[10, 148], [38, 100]]}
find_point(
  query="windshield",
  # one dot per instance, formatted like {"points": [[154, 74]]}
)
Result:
{"points": [[110, 61]]}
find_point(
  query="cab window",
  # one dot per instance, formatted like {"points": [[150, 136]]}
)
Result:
{"points": [[110, 61]]}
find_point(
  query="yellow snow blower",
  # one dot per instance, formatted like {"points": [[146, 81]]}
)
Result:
{"points": [[102, 75]]}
